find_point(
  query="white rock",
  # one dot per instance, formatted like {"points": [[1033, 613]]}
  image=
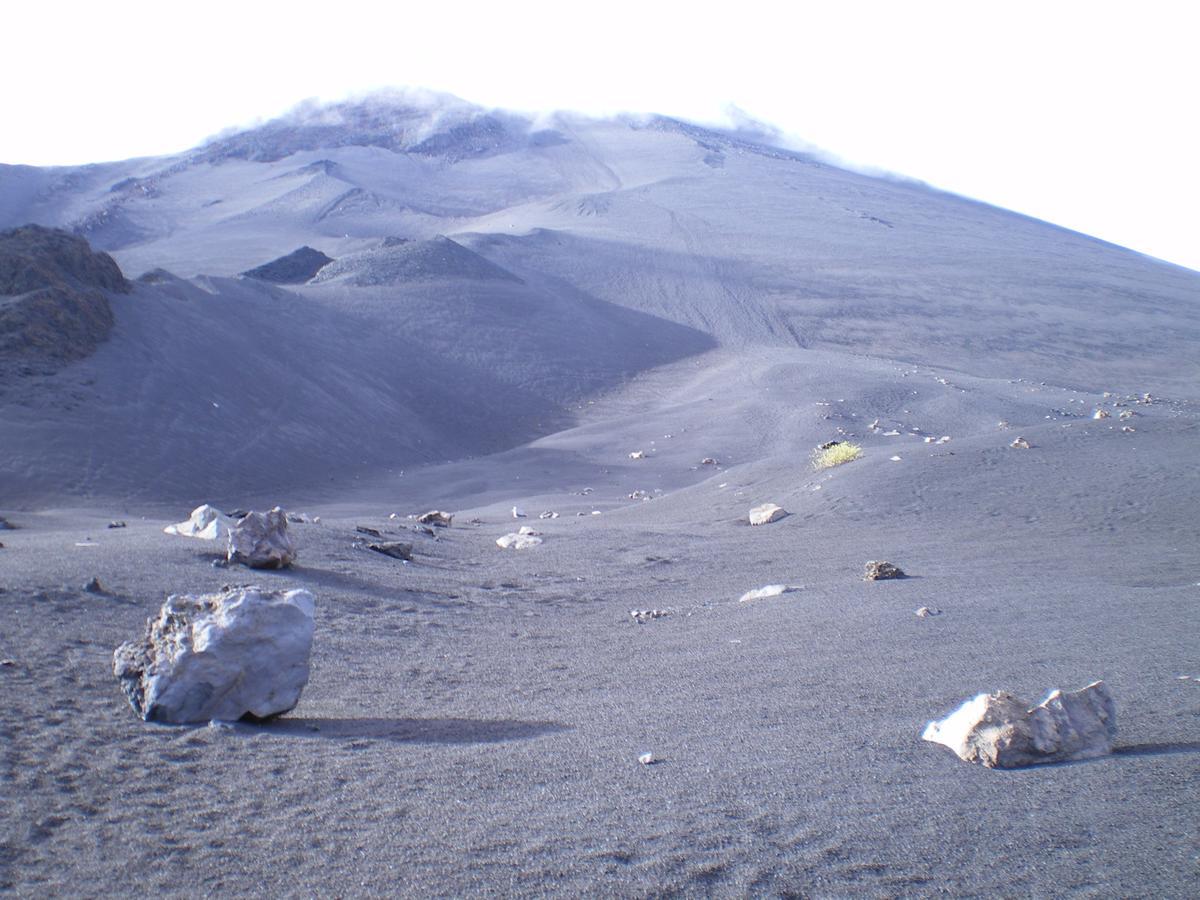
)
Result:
{"points": [[770, 590], [521, 540], [220, 656], [926, 611], [436, 518], [646, 759], [637, 454], [767, 513], [261, 541], [894, 459], [1000, 731], [518, 513], [206, 522], [1019, 443], [1101, 414], [548, 514]]}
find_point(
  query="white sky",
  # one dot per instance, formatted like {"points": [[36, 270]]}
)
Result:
{"points": [[1086, 114]]}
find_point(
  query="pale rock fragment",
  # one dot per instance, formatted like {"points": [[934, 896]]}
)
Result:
{"points": [[1101, 414], [880, 571], [519, 540], [766, 514], [260, 540], [206, 522], [1000, 731], [770, 590], [241, 652], [1019, 443], [436, 518], [637, 454]]}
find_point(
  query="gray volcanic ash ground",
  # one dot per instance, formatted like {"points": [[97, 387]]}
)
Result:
{"points": [[644, 327]]}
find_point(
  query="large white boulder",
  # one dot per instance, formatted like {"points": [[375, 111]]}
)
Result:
{"points": [[1000, 731], [241, 652], [766, 514], [206, 522], [261, 540]]}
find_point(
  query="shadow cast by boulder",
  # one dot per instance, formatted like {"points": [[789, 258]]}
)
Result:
{"points": [[408, 731], [1156, 749]]}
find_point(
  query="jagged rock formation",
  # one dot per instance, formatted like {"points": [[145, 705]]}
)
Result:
{"points": [[53, 308], [1001, 731]]}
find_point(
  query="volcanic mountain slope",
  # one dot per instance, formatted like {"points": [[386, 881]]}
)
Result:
{"points": [[505, 259]]}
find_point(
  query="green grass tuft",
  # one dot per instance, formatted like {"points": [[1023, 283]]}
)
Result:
{"points": [[835, 455]]}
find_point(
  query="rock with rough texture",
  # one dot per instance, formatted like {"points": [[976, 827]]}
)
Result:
{"points": [[437, 518], [519, 540], [261, 541], [394, 549], [1000, 731], [297, 267], [239, 653], [1019, 443], [206, 522], [767, 513], [638, 454], [878, 570]]}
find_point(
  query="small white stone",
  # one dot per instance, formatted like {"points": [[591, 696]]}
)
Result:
{"points": [[647, 759], [637, 454], [895, 459], [518, 513], [770, 590]]}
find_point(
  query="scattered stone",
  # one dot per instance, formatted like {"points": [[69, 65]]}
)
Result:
{"points": [[926, 611], [894, 458], [1145, 399], [640, 495], [1000, 731], [261, 541], [241, 652], [770, 590], [394, 549], [6, 525], [828, 444], [880, 571], [373, 532], [518, 513], [766, 514], [1128, 429], [637, 454], [519, 540], [94, 586], [642, 616], [1101, 414], [1002, 424], [436, 518], [596, 512], [297, 518], [708, 461], [206, 523], [647, 759], [116, 524], [892, 433], [1019, 443], [1126, 414], [1, 545], [8, 663], [945, 438], [874, 426], [548, 514]]}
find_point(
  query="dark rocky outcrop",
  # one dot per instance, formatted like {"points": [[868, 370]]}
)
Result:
{"points": [[53, 307], [296, 267], [396, 262]]}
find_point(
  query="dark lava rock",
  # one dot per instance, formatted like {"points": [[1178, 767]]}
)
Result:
{"points": [[53, 307], [297, 267], [395, 549], [395, 263]]}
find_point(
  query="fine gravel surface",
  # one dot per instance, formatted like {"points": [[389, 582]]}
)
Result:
{"points": [[644, 328]]}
